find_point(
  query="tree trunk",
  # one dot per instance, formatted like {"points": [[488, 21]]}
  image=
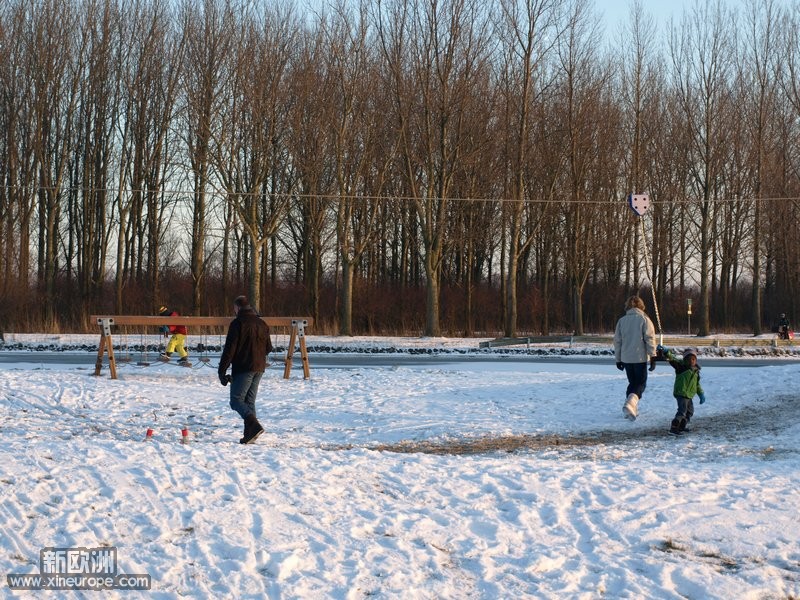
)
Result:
{"points": [[432, 270], [755, 307], [346, 298]]}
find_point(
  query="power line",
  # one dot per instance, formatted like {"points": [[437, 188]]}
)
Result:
{"points": [[335, 197]]}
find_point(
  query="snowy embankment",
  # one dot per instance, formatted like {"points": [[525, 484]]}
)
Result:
{"points": [[211, 345], [398, 482]]}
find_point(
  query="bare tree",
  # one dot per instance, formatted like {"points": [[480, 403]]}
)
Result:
{"points": [[583, 81], [781, 245], [56, 49], [701, 52], [474, 232], [253, 116], [636, 94], [361, 159], [668, 180], [433, 50], [757, 76], [528, 34], [310, 143], [734, 226], [18, 164], [209, 34], [88, 205]]}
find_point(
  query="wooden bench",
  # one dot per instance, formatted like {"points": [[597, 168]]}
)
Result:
{"points": [[296, 325]]}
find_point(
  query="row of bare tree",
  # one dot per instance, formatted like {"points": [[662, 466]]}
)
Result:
{"points": [[171, 152]]}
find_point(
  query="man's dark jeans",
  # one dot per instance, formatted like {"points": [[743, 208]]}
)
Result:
{"points": [[244, 389]]}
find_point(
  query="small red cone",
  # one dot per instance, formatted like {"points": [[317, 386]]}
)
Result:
{"points": [[185, 435], [149, 434]]}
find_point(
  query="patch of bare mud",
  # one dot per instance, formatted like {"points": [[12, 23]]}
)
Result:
{"points": [[761, 418]]}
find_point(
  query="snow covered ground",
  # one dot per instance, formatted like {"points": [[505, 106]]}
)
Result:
{"points": [[471, 479]]}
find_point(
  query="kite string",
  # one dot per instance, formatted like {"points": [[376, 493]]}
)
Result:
{"points": [[652, 286]]}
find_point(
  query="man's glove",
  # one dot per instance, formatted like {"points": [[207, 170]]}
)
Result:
{"points": [[621, 366], [164, 329], [224, 378], [702, 397], [652, 363]]}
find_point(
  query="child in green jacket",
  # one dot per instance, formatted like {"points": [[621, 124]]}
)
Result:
{"points": [[687, 384]]}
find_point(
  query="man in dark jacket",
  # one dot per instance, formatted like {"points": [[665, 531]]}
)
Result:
{"points": [[246, 348]]}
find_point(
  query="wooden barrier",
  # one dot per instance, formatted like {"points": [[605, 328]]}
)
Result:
{"points": [[671, 341], [297, 327]]}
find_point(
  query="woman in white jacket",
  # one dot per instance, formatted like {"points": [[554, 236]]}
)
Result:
{"points": [[634, 345]]}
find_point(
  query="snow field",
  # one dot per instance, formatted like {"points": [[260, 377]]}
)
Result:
{"points": [[312, 510]]}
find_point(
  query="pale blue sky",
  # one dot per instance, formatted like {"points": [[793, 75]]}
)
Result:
{"points": [[615, 13]]}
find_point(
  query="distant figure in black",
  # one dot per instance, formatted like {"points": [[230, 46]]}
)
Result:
{"points": [[784, 330]]}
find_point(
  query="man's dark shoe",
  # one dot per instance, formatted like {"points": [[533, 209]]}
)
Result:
{"points": [[252, 429]]}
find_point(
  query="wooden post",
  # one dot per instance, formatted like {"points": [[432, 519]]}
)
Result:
{"points": [[105, 343], [289, 352], [301, 333], [298, 334], [98, 366]]}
